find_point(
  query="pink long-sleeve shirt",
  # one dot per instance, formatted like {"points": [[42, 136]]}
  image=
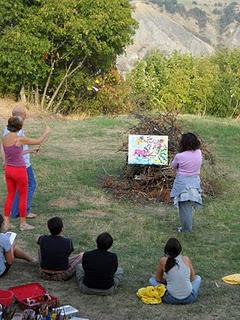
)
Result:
{"points": [[188, 163]]}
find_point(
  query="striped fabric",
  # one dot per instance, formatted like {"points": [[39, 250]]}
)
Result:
{"points": [[65, 275]]}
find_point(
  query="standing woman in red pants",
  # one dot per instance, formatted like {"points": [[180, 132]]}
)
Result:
{"points": [[15, 170]]}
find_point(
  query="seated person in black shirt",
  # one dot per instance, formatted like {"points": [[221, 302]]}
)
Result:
{"points": [[54, 253], [99, 272]]}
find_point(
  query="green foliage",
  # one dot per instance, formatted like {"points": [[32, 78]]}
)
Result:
{"points": [[103, 94], [147, 80], [44, 43], [226, 90], [21, 59], [209, 85]]}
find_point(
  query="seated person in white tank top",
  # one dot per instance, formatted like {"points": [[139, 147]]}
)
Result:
{"points": [[177, 272]]}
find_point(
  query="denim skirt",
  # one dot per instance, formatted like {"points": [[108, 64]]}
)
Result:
{"points": [[187, 188]]}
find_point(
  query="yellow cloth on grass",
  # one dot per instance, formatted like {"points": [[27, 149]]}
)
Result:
{"points": [[232, 278], [151, 295]]}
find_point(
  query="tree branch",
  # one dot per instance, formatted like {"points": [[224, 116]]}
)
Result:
{"points": [[47, 83], [65, 77]]}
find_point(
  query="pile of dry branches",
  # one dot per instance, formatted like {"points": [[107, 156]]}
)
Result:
{"points": [[153, 183]]}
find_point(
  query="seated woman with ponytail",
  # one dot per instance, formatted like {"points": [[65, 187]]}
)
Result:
{"points": [[176, 271]]}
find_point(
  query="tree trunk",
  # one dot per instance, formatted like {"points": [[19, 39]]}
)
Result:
{"points": [[61, 99], [47, 84], [235, 109], [23, 95], [69, 73], [36, 96]]}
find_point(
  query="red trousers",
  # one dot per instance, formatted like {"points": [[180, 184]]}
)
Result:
{"points": [[16, 179]]}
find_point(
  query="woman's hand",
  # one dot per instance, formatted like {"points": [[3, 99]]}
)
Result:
{"points": [[32, 151], [35, 150]]}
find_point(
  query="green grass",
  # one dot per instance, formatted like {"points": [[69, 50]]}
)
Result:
{"points": [[68, 170]]}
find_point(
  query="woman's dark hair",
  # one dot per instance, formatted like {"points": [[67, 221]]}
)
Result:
{"points": [[104, 241], [1, 221], [172, 250], [14, 124], [55, 225], [189, 142]]}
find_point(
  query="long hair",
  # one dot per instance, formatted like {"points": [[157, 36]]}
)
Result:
{"points": [[189, 142], [172, 250]]}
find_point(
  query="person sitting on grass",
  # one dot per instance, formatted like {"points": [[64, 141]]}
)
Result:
{"points": [[176, 271], [54, 253], [99, 272], [9, 251]]}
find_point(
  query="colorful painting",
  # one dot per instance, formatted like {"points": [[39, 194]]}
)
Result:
{"points": [[147, 150]]}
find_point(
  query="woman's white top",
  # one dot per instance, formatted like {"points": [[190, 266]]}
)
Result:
{"points": [[178, 280]]}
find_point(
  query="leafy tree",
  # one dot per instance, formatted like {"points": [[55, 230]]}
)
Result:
{"points": [[176, 92], [147, 81], [206, 85], [61, 38], [226, 91], [203, 79]]}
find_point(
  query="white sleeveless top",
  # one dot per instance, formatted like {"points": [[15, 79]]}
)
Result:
{"points": [[178, 280]]}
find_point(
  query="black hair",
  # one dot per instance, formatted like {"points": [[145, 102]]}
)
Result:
{"points": [[1, 221], [172, 250], [189, 142], [55, 225], [104, 241], [14, 124]]}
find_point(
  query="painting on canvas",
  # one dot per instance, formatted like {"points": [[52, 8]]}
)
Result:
{"points": [[147, 150]]}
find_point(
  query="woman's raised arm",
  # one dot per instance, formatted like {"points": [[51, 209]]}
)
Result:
{"points": [[34, 141]]}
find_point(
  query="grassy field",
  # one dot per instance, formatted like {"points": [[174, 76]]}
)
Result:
{"points": [[68, 169]]}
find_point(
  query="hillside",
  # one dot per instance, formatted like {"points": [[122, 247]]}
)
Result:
{"points": [[197, 27]]}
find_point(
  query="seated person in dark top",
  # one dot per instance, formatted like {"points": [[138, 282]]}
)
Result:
{"points": [[99, 272], [54, 253]]}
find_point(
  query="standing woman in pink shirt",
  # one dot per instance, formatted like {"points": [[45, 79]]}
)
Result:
{"points": [[15, 170], [186, 190]]}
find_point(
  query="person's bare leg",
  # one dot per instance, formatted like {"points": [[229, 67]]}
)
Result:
{"points": [[20, 254], [6, 225]]}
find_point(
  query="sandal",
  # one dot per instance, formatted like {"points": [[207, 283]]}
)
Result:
{"points": [[31, 215], [26, 227], [7, 226]]}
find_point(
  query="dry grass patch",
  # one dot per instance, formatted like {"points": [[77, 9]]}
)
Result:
{"points": [[100, 200], [93, 213], [63, 203], [33, 112]]}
